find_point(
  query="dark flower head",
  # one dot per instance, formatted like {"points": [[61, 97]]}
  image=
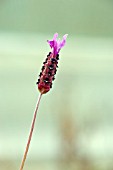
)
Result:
{"points": [[57, 44], [50, 65]]}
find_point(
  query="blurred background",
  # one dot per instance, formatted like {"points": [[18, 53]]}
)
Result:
{"points": [[74, 127]]}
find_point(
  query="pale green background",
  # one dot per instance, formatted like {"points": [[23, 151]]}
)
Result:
{"points": [[74, 128]]}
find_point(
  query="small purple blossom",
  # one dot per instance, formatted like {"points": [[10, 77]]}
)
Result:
{"points": [[50, 65], [57, 44]]}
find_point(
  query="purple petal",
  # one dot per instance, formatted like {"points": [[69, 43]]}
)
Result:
{"points": [[57, 44], [55, 36], [62, 43], [51, 43]]}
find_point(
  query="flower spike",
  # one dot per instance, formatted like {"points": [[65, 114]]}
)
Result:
{"points": [[50, 65]]}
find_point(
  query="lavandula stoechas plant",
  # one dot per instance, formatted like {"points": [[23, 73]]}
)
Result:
{"points": [[47, 75]]}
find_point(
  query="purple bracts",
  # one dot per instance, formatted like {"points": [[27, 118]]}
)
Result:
{"points": [[57, 44]]}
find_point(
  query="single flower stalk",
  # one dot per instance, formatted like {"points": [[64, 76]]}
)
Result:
{"points": [[46, 77]]}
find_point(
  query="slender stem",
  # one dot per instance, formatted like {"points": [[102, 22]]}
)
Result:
{"points": [[31, 132]]}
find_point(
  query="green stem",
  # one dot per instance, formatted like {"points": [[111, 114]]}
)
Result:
{"points": [[30, 134]]}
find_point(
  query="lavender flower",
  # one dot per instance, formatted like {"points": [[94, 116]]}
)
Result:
{"points": [[46, 77], [50, 65]]}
